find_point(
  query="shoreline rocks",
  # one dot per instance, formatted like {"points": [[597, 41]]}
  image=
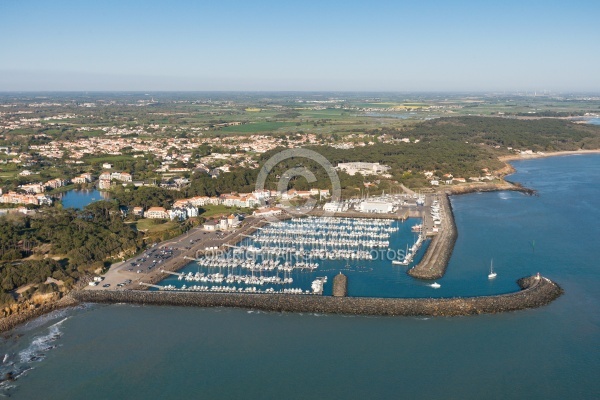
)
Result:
{"points": [[536, 292], [13, 320], [434, 262]]}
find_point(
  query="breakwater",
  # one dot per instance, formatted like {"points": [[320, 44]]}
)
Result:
{"points": [[491, 187], [434, 262], [535, 292], [340, 285]]}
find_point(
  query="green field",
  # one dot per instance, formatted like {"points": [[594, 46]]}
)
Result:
{"points": [[150, 226], [257, 127], [328, 114], [8, 175], [212, 210]]}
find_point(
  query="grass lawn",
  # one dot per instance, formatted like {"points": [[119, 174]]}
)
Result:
{"points": [[148, 225], [9, 175], [212, 210]]}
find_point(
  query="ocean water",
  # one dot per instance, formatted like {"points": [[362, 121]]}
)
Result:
{"points": [[123, 351]]}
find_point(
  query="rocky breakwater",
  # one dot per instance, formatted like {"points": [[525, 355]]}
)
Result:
{"points": [[536, 291], [434, 262], [490, 187], [340, 285]]}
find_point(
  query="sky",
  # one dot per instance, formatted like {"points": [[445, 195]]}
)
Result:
{"points": [[300, 46]]}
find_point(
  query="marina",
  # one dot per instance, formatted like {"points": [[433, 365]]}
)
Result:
{"points": [[302, 256], [559, 365]]}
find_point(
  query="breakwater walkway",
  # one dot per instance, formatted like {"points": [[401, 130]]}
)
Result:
{"points": [[434, 262], [536, 291]]}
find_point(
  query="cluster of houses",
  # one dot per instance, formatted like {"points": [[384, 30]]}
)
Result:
{"points": [[257, 198], [178, 213], [448, 179], [33, 193], [27, 198], [188, 208], [223, 223], [106, 177], [83, 178]]}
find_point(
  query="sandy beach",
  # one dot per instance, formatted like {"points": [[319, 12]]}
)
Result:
{"points": [[550, 154]]}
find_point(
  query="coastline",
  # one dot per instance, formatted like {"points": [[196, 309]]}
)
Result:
{"points": [[516, 157], [11, 321]]}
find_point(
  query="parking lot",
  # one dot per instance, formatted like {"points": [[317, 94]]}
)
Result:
{"points": [[169, 255]]}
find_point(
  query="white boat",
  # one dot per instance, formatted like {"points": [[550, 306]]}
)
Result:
{"points": [[435, 285], [492, 274]]}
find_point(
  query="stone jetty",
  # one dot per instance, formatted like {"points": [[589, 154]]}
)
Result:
{"points": [[434, 262], [536, 291], [340, 285]]}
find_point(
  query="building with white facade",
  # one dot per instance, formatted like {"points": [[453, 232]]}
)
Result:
{"points": [[156, 212], [363, 168], [376, 207], [334, 206], [267, 212]]}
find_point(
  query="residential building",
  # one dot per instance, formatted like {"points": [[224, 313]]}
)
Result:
{"points": [[104, 184], [83, 178], [156, 212], [223, 225], [33, 188], [121, 176], [17, 198], [233, 220], [179, 214], [56, 183]]}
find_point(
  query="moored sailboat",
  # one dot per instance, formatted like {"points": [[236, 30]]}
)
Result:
{"points": [[492, 274]]}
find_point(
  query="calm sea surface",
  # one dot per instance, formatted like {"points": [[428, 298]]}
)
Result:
{"points": [[122, 351]]}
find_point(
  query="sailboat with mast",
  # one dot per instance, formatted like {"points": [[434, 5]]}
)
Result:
{"points": [[492, 274]]}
